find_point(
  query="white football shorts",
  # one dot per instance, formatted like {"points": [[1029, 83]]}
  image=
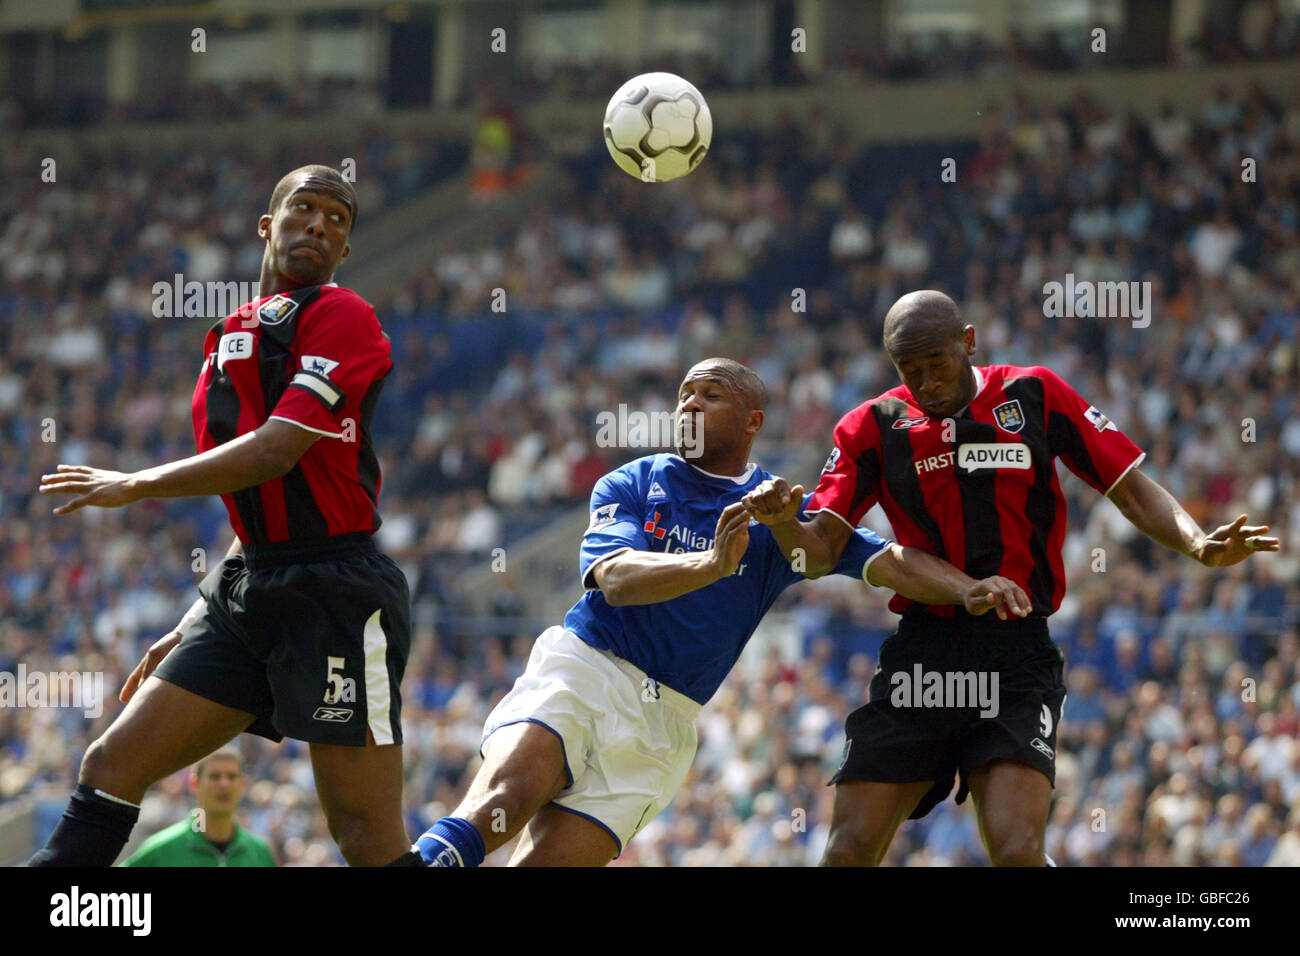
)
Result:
{"points": [[628, 740]]}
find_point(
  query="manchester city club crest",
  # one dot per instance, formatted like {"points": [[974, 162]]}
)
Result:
{"points": [[276, 310], [1009, 416]]}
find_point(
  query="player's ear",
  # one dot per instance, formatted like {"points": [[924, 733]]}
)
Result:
{"points": [[343, 257], [264, 226], [754, 421], [968, 334]]}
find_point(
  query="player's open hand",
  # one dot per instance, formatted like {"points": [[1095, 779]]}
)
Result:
{"points": [[774, 501], [92, 486], [1234, 543], [1000, 594], [152, 658], [730, 539]]}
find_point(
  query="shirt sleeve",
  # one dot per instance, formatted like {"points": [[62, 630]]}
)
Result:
{"points": [[615, 524], [1089, 443], [340, 352], [850, 480], [863, 547]]}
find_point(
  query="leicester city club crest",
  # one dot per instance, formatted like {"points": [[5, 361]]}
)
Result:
{"points": [[1009, 416]]}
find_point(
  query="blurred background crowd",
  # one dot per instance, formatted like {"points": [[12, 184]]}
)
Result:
{"points": [[1180, 738]]}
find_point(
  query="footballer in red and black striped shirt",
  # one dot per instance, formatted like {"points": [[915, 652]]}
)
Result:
{"points": [[962, 460], [304, 629], [316, 358], [978, 486]]}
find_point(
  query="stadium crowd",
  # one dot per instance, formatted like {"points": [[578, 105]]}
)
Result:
{"points": [[1255, 30], [1179, 740]]}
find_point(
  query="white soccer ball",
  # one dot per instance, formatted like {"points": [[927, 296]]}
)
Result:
{"points": [[658, 127]]}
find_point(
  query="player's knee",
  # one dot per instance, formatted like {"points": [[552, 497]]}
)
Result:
{"points": [[850, 846], [1015, 846], [95, 763], [108, 767], [512, 790], [505, 799], [363, 839]]}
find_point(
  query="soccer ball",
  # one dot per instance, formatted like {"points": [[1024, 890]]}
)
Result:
{"points": [[658, 127]]}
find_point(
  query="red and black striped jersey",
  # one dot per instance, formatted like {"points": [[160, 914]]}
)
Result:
{"points": [[316, 357], [978, 489]]}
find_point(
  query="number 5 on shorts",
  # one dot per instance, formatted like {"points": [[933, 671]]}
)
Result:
{"points": [[341, 690]]}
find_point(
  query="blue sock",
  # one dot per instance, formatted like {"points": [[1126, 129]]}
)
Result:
{"points": [[452, 841]]}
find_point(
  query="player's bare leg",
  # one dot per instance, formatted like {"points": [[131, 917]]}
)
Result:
{"points": [[360, 790], [523, 770], [864, 818], [555, 837], [163, 728], [1012, 802]]}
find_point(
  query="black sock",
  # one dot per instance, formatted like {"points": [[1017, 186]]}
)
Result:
{"points": [[92, 832], [409, 858]]}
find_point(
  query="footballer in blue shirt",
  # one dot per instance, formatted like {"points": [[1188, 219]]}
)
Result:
{"points": [[595, 738]]}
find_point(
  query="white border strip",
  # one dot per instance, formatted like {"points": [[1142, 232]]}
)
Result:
{"points": [[829, 511], [281, 418], [592, 567], [1136, 461], [379, 696], [888, 546]]}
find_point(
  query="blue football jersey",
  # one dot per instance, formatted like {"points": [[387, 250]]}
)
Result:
{"points": [[664, 503]]}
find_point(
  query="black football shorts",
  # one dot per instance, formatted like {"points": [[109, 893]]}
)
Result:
{"points": [[310, 637], [952, 695]]}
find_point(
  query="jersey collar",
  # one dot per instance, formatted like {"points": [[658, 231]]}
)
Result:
{"points": [[738, 479]]}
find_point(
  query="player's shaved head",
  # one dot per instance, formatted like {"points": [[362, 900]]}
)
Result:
{"points": [[920, 321], [316, 178], [741, 379]]}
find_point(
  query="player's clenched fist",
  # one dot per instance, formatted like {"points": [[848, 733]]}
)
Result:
{"points": [[774, 501], [1001, 594], [730, 539]]}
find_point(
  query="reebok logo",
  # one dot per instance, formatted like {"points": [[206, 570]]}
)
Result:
{"points": [[333, 715]]}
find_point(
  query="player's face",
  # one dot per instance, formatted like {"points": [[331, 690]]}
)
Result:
{"points": [[707, 409], [220, 786], [939, 375], [309, 234]]}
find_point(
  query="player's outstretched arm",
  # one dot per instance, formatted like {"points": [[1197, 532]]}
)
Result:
{"points": [[1157, 514], [815, 546], [648, 577], [921, 576], [258, 456]]}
